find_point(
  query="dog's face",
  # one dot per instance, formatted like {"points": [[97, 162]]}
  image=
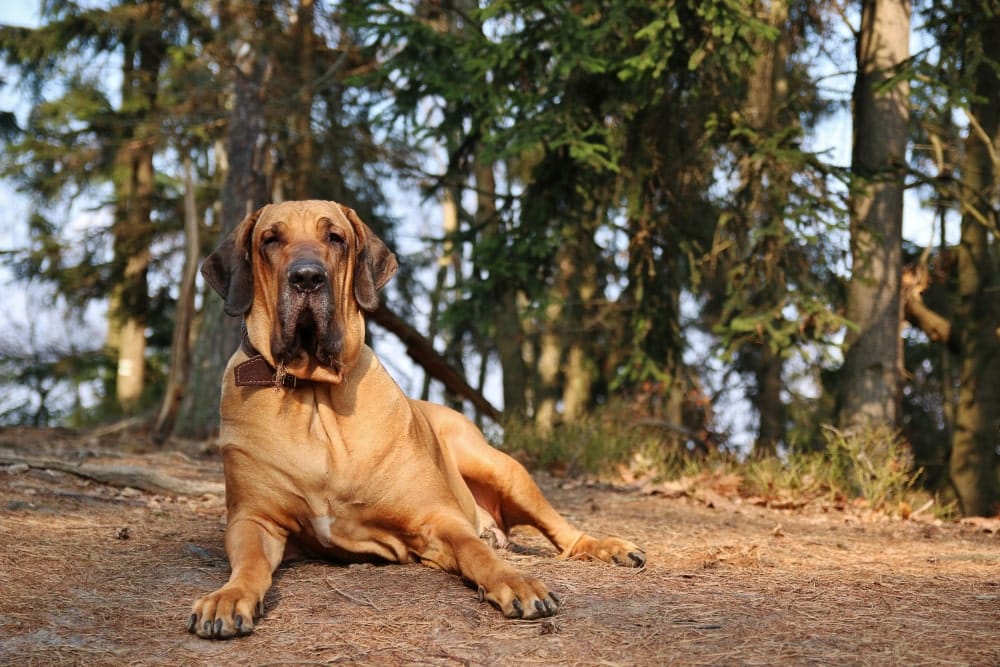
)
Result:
{"points": [[302, 273]]}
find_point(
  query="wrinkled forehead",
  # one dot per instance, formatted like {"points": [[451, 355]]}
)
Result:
{"points": [[304, 219]]}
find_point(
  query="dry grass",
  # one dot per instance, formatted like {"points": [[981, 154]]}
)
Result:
{"points": [[94, 575]]}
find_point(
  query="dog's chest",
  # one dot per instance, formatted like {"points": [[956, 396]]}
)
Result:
{"points": [[342, 515], [347, 536]]}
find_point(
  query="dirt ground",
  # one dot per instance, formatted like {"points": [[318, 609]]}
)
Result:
{"points": [[100, 574]]}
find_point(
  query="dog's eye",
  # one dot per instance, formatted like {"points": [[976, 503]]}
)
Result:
{"points": [[269, 240], [333, 238]]}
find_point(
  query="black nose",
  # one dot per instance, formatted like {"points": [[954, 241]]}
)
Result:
{"points": [[307, 276]]}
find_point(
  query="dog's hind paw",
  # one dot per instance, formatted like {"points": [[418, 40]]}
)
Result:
{"points": [[610, 550]]}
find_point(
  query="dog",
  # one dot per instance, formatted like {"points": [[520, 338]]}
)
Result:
{"points": [[323, 452]]}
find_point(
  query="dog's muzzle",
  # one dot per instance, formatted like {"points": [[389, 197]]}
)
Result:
{"points": [[307, 316]]}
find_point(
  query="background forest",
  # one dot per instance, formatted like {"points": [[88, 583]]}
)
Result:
{"points": [[625, 231]]}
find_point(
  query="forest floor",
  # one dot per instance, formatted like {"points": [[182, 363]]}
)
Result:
{"points": [[101, 574]]}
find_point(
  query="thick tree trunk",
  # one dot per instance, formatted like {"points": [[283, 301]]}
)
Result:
{"points": [[870, 384], [973, 455]]}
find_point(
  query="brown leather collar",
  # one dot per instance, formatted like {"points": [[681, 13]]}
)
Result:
{"points": [[256, 372]]}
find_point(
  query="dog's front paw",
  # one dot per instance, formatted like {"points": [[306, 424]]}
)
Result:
{"points": [[519, 596], [609, 550], [224, 614]]}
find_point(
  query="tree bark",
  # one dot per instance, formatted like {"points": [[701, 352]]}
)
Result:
{"points": [[973, 464], [549, 361], [768, 368], [303, 144], [580, 264], [144, 479], [870, 393]]}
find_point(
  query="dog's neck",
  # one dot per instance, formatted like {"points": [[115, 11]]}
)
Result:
{"points": [[256, 371]]}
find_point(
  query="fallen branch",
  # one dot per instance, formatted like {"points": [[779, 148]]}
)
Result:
{"points": [[420, 349], [144, 479]]}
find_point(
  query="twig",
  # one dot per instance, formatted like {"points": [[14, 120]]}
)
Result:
{"points": [[352, 598], [923, 508]]}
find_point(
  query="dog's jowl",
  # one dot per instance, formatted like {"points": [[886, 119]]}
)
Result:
{"points": [[323, 449]]}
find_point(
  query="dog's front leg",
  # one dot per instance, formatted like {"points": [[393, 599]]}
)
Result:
{"points": [[255, 550], [456, 548]]}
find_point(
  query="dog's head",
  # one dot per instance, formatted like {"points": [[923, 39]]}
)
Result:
{"points": [[302, 273]]}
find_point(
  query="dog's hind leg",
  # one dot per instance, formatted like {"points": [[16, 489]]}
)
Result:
{"points": [[508, 493]]}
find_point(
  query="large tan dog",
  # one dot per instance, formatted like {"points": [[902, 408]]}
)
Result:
{"points": [[322, 449]]}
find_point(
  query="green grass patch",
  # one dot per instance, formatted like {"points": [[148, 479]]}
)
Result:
{"points": [[869, 468]]}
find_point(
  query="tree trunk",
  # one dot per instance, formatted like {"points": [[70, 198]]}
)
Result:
{"points": [[448, 258], [180, 347], [765, 96], [580, 264], [767, 400], [133, 230], [550, 348], [870, 393], [303, 144], [506, 315], [973, 456], [245, 189], [579, 381]]}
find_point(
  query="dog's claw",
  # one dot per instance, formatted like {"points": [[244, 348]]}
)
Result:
{"points": [[224, 614], [518, 608]]}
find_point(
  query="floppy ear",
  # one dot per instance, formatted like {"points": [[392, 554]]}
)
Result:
{"points": [[375, 266], [228, 268]]}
